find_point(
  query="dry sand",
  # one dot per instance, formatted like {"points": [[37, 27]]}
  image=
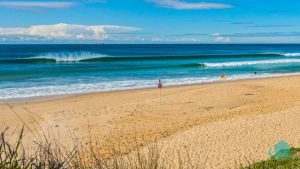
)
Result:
{"points": [[222, 123]]}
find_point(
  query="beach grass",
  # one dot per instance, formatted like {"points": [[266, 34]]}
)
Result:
{"points": [[291, 163], [52, 155], [45, 155]]}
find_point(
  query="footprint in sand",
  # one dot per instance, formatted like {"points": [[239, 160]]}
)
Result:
{"points": [[208, 108]]}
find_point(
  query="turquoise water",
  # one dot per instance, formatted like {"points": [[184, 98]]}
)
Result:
{"points": [[51, 70]]}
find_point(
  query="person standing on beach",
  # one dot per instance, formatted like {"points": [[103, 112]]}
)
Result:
{"points": [[160, 86]]}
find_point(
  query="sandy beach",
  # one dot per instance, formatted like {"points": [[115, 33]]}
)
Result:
{"points": [[223, 123]]}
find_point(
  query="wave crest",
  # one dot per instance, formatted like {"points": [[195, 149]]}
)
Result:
{"points": [[90, 57], [68, 56], [246, 63], [291, 54]]}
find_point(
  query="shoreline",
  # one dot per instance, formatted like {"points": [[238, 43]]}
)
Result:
{"points": [[58, 97]]}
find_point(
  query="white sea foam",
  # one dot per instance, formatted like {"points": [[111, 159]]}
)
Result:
{"points": [[291, 54], [69, 56], [47, 91], [257, 62]]}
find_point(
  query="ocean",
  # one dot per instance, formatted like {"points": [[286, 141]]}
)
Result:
{"points": [[28, 71]]}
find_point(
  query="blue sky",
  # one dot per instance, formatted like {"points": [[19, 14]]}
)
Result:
{"points": [[149, 21]]}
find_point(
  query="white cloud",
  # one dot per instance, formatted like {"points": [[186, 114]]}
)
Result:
{"points": [[180, 4], [220, 38], [36, 4], [64, 32], [216, 34], [176, 40]]}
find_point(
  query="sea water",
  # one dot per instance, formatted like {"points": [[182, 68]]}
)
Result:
{"points": [[28, 71]]}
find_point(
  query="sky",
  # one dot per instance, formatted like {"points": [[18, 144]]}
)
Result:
{"points": [[149, 21]]}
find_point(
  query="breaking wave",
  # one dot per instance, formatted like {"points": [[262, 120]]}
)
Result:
{"points": [[89, 57], [246, 63], [68, 56], [291, 54], [55, 57]]}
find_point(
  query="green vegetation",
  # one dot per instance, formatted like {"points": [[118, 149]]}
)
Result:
{"points": [[292, 163]]}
